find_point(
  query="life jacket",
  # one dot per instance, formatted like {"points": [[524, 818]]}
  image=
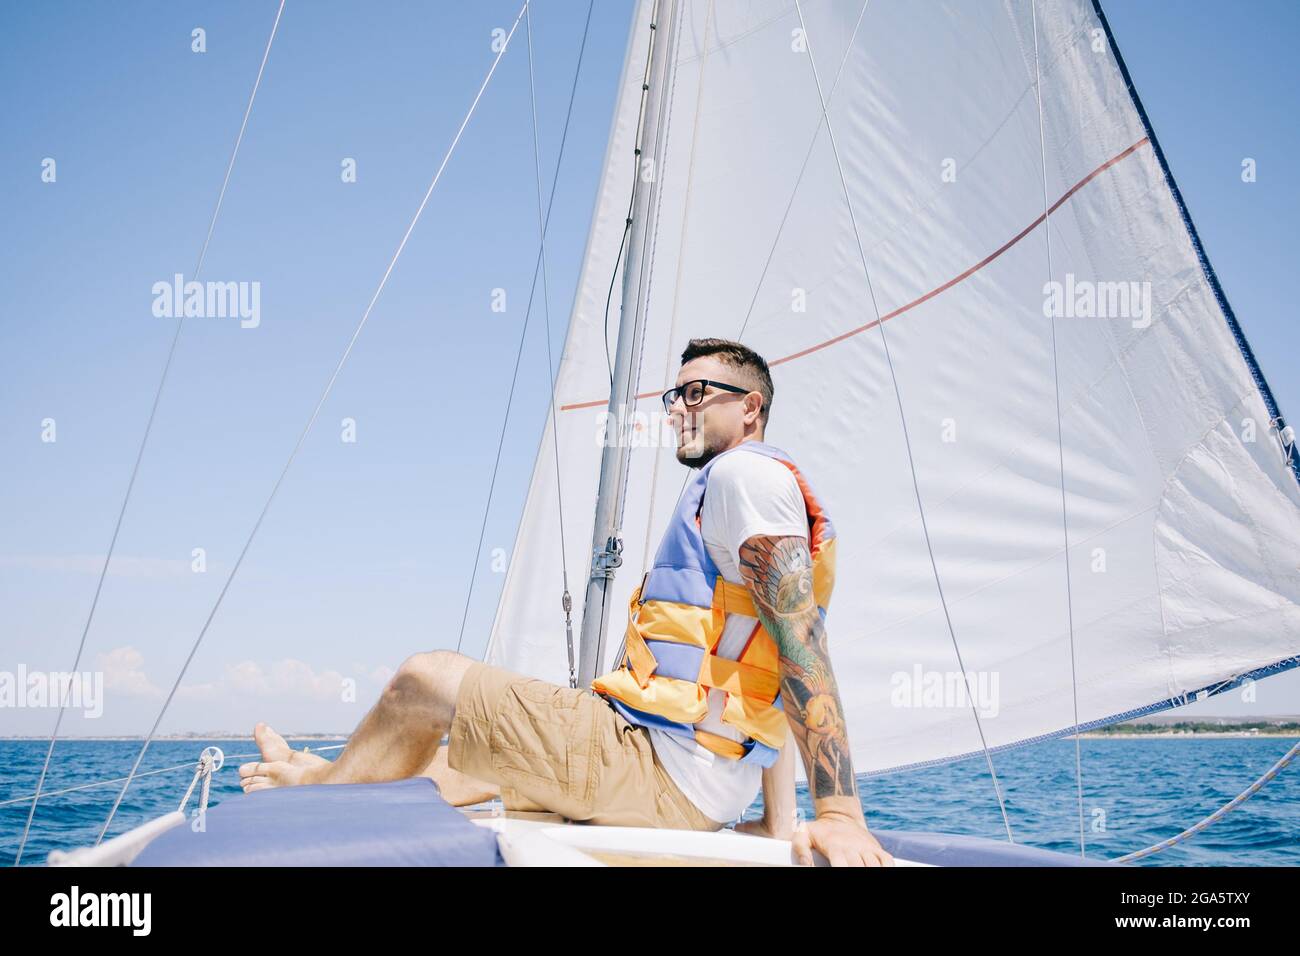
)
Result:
{"points": [[676, 620]]}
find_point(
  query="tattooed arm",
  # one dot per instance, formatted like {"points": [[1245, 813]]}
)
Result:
{"points": [[777, 571]]}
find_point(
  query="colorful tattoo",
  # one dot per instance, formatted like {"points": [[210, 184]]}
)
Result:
{"points": [[779, 575]]}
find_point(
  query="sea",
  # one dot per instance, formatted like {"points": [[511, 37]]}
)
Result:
{"points": [[1137, 791]]}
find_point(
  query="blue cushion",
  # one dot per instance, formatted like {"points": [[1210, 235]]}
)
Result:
{"points": [[403, 823]]}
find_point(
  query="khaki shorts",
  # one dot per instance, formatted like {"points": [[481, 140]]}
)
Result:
{"points": [[563, 750]]}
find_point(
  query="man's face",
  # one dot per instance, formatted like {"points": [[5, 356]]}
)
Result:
{"points": [[717, 423]]}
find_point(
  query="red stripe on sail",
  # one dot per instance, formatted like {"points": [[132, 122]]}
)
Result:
{"points": [[933, 292]]}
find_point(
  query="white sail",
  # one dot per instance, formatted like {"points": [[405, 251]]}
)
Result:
{"points": [[1183, 512]]}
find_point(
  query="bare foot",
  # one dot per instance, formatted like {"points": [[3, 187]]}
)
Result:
{"points": [[271, 744], [276, 748], [261, 775], [307, 759], [280, 765]]}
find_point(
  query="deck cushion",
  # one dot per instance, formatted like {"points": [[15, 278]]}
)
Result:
{"points": [[403, 823]]}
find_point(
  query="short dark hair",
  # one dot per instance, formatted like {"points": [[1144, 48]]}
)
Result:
{"points": [[753, 368]]}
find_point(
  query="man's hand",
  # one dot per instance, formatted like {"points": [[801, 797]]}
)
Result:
{"points": [[843, 842]]}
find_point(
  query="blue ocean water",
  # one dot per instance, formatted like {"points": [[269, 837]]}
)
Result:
{"points": [[1136, 792]]}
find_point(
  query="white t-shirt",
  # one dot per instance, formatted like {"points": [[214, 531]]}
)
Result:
{"points": [[748, 494]]}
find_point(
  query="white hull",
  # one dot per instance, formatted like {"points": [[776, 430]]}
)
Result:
{"points": [[549, 840]]}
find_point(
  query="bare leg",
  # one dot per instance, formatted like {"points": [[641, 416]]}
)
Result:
{"points": [[458, 789], [397, 739]]}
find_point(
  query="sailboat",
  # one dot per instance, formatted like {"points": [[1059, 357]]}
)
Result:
{"points": [[999, 350]]}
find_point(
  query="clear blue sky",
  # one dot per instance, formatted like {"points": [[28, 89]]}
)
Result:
{"points": [[366, 555]]}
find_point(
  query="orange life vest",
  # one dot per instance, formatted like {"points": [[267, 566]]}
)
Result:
{"points": [[676, 620]]}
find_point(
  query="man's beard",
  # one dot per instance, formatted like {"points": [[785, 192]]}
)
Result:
{"points": [[707, 454]]}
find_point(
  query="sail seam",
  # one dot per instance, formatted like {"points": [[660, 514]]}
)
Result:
{"points": [[1118, 157]]}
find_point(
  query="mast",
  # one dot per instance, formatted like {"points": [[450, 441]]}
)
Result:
{"points": [[607, 542]]}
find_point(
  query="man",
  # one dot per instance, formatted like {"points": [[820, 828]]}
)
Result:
{"points": [[726, 648]]}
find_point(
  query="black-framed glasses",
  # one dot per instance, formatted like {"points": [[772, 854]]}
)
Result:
{"points": [[692, 393]]}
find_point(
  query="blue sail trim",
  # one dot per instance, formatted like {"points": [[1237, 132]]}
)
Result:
{"points": [[1211, 690]]}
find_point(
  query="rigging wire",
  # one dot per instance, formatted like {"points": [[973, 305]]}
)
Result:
{"points": [[189, 765], [798, 180], [613, 280], [650, 242], [672, 327], [636, 178], [538, 266], [645, 263], [329, 386], [637, 173], [146, 773], [543, 222], [566, 599], [148, 428], [672, 331], [916, 487], [1060, 439], [1217, 815], [677, 288]]}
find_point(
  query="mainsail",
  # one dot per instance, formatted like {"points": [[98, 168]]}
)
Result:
{"points": [[985, 307]]}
